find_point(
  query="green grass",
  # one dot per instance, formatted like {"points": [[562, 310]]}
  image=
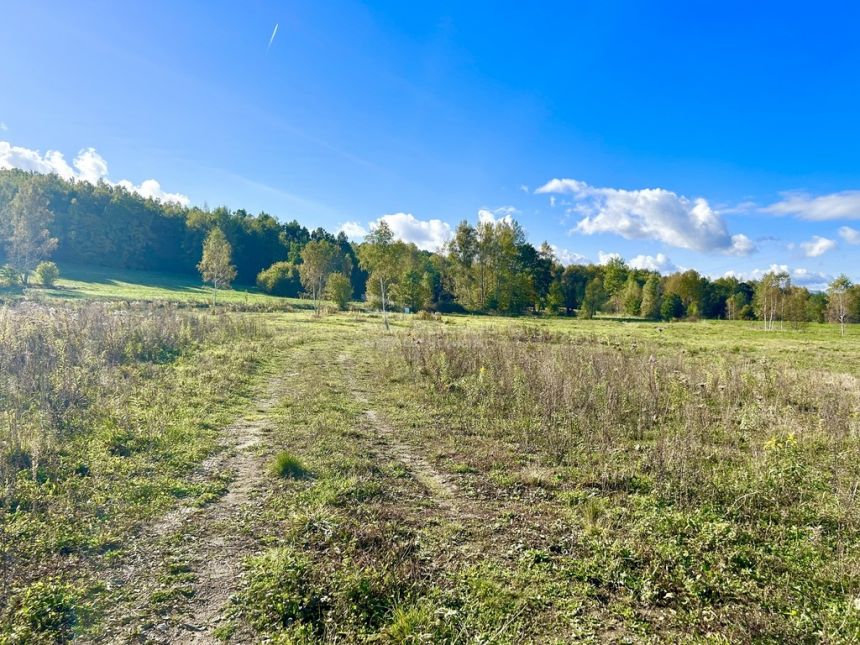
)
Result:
{"points": [[87, 282], [815, 346], [289, 466], [607, 481]]}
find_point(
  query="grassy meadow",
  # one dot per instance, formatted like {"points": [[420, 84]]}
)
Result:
{"points": [[102, 283], [242, 475]]}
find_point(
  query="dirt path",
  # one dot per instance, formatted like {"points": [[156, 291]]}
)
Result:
{"points": [[204, 545], [441, 486]]}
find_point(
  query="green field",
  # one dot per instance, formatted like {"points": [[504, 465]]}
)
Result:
{"points": [[252, 476], [100, 283]]}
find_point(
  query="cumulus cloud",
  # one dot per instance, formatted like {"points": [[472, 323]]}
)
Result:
{"points": [[88, 166], [606, 258], [660, 263], [817, 246], [151, 189], [502, 214], [353, 230], [91, 166], [568, 257], [841, 205], [850, 235], [427, 235], [651, 213]]}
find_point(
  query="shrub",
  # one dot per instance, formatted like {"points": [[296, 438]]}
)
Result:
{"points": [[47, 272], [339, 290], [8, 276], [288, 466], [429, 316], [280, 279]]}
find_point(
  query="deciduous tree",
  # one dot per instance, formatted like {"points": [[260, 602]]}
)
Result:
{"points": [[838, 305], [650, 305], [320, 258], [26, 220], [339, 290], [379, 257], [216, 264]]}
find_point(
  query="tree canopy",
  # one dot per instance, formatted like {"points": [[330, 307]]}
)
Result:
{"points": [[489, 266]]}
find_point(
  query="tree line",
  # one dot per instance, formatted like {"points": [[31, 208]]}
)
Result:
{"points": [[486, 267]]}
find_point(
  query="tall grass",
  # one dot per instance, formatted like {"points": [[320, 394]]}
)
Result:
{"points": [[56, 362], [727, 486], [559, 396], [104, 409]]}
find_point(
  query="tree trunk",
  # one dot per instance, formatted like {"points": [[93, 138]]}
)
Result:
{"points": [[384, 312]]}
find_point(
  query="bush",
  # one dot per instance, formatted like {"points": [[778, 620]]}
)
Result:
{"points": [[339, 290], [8, 276], [280, 279], [47, 272]]}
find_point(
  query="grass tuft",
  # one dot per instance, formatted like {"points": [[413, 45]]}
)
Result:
{"points": [[288, 466]]}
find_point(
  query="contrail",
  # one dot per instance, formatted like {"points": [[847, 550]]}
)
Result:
{"points": [[272, 39]]}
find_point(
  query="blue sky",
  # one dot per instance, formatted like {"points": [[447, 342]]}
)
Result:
{"points": [[718, 136]]}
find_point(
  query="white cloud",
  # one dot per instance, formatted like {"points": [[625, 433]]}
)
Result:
{"points": [[88, 166], [817, 246], [850, 235], [660, 263], [3, 127], [652, 213], [741, 207], [26, 159], [799, 276], [741, 245], [842, 205], [502, 214], [151, 189], [428, 235], [353, 230], [568, 257], [606, 258], [91, 166], [524, 188]]}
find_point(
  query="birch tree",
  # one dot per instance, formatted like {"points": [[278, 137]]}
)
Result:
{"points": [[837, 301], [320, 258], [379, 257], [216, 264], [26, 234], [769, 297]]}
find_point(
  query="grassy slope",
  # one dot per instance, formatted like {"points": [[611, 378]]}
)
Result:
{"points": [[87, 282]]}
